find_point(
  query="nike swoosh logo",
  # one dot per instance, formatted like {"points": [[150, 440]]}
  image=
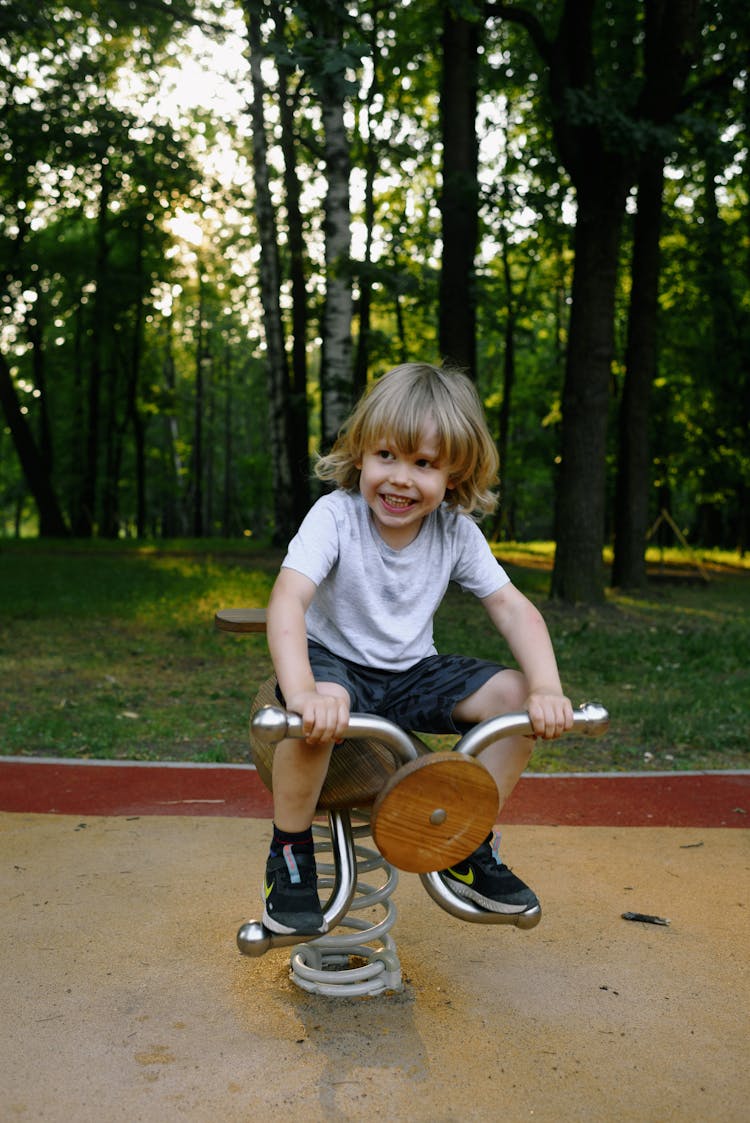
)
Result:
{"points": [[267, 889], [467, 878]]}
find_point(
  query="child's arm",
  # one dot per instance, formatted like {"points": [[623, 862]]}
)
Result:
{"points": [[324, 718], [524, 630]]}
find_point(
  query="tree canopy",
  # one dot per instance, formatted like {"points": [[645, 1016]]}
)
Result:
{"points": [[219, 222]]}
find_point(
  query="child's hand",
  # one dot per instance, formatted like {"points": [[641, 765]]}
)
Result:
{"points": [[324, 717], [551, 713]]}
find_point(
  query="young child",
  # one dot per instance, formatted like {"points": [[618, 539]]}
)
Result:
{"points": [[351, 613]]}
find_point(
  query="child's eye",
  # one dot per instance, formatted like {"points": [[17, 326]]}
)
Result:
{"points": [[385, 454]]}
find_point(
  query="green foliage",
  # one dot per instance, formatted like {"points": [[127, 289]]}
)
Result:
{"points": [[100, 285], [108, 650], [128, 247]]}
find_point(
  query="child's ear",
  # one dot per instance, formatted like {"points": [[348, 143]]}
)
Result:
{"points": [[450, 485]]}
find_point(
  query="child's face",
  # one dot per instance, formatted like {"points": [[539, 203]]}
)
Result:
{"points": [[401, 488]]}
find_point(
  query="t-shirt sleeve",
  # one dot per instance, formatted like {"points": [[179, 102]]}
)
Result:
{"points": [[315, 547], [476, 569]]}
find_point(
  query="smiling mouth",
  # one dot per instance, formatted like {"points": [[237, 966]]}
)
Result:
{"points": [[397, 502]]}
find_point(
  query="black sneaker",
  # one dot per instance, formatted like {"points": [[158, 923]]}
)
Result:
{"points": [[290, 895], [485, 880]]}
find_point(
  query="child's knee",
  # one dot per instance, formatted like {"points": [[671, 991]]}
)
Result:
{"points": [[507, 693], [504, 693]]}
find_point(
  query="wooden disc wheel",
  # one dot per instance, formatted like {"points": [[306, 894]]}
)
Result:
{"points": [[433, 812]]}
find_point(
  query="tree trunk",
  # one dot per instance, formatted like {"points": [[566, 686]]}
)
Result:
{"points": [[51, 521], [585, 124], [35, 332], [337, 389], [459, 198], [729, 345], [632, 493], [578, 573], [173, 514], [270, 289], [75, 438], [133, 383], [670, 42], [198, 407], [227, 504], [500, 522], [298, 429], [113, 425], [364, 304], [370, 161], [87, 506]]}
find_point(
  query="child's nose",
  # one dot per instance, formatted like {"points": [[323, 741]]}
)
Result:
{"points": [[400, 472]]}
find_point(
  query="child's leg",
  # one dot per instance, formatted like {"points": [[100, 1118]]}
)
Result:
{"points": [[507, 758], [291, 902], [483, 878], [299, 771]]}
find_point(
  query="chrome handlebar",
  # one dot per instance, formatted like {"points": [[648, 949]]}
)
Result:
{"points": [[272, 724]]}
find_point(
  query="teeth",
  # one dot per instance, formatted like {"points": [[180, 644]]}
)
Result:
{"points": [[396, 501]]}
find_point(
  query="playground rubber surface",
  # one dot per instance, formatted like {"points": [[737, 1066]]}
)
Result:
{"points": [[124, 996]]}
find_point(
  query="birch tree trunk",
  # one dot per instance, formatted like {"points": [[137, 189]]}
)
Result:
{"points": [[336, 376], [336, 358], [299, 429], [370, 167], [270, 291]]}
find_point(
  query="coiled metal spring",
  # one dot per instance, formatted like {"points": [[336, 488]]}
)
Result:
{"points": [[326, 964]]}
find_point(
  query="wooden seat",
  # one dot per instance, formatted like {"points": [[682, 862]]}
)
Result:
{"points": [[357, 773]]}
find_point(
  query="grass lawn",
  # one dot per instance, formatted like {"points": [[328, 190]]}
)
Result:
{"points": [[107, 650]]}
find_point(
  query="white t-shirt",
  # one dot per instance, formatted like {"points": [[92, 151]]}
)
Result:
{"points": [[375, 605]]}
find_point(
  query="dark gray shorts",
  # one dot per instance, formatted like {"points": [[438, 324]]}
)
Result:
{"points": [[421, 699]]}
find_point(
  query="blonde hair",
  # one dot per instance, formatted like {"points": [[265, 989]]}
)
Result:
{"points": [[397, 408]]}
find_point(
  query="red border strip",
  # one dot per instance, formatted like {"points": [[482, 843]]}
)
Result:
{"points": [[680, 799], [131, 788], [49, 786]]}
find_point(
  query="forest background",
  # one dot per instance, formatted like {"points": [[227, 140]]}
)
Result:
{"points": [[218, 221]]}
